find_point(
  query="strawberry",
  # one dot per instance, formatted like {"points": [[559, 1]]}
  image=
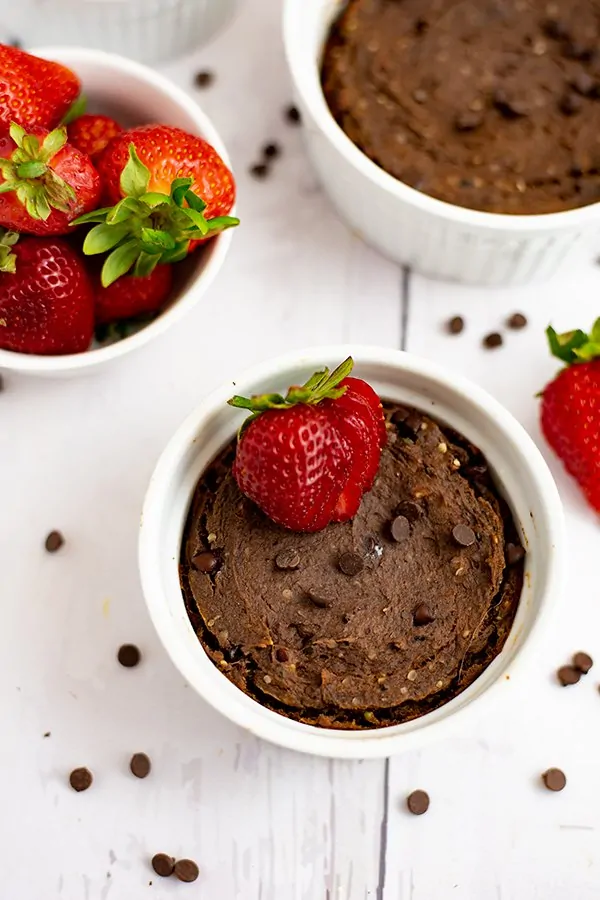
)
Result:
{"points": [[306, 459], [131, 296], [44, 182], [34, 91], [570, 413], [46, 298], [91, 134], [171, 190]]}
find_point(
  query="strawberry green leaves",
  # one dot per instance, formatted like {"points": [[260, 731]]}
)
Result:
{"points": [[320, 386], [8, 260], [575, 346], [27, 172], [148, 227]]}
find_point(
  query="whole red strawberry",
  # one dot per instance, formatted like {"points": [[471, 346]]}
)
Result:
{"points": [[570, 413], [92, 134], [44, 182], [129, 296], [46, 298], [172, 190], [34, 91], [306, 459]]}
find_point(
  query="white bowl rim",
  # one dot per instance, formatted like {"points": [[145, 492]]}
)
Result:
{"points": [[316, 103], [29, 363], [273, 726]]}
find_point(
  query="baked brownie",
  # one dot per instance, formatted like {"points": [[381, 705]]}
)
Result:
{"points": [[366, 623], [488, 104]]}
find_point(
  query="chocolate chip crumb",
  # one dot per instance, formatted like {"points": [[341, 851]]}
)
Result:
{"points": [[418, 802], [129, 656], [493, 340], [186, 870], [351, 564], [456, 325], [271, 150], [463, 535], [80, 779], [423, 615], [554, 779], [287, 559], [583, 662], [400, 529], [204, 78], [514, 554], [54, 541], [206, 562], [140, 765], [259, 171], [163, 865], [292, 115], [568, 675], [517, 321]]}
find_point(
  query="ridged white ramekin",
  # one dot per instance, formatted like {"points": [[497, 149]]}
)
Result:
{"points": [[147, 30], [432, 236], [520, 473]]}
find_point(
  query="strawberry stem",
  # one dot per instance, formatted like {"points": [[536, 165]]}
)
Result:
{"points": [[575, 346], [323, 385], [8, 260], [27, 172]]}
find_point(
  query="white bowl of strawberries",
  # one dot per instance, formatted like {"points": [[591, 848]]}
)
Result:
{"points": [[113, 220]]}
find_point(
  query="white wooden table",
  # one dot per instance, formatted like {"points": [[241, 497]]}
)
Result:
{"points": [[265, 824]]}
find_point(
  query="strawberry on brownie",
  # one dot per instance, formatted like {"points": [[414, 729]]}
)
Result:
{"points": [[348, 563]]}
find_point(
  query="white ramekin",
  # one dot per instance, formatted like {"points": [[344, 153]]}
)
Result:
{"points": [[135, 95], [519, 469], [434, 237], [146, 30]]}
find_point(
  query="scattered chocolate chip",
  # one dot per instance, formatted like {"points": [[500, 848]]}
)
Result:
{"points": [[469, 120], [271, 150], [463, 535], [493, 340], [206, 562], [204, 78], [418, 802], [163, 865], [186, 870], [568, 675], [584, 84], [47, 734], [576, 50], [420, 96], [571, 104], [555, 29], [400, 529], [80, 779], [583, 662], [554, 779], [281, 655], [373, 550], [129, 656], [514, 554], [423, 615], [516, 321], [54, 541], [287, 559], [455, 325], [292, 114], [351, 564], [409, 509], [511, 106], [140, 765], [259, 171], [318, 600]]}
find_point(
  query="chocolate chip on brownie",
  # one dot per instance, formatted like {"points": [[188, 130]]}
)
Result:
{"points": [[287, 559], [351, 564], [463, 535]]}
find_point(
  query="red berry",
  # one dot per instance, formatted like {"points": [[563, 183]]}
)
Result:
{"points": [[91, 134], [47, 304], [34, 91], [132, 296]]}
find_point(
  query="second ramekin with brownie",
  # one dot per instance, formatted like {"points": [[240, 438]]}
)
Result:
{"points": [[457, 138], [346, 577]]}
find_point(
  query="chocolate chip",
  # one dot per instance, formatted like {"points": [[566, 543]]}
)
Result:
{"points": [[469, 120], [584, 84], [54, 541], [554, 779], [292, 114], [423, 615], [516, 321], [420, 96], [318, 600], [80, 779], [400, 529], [186, 870], [351, 564], [129, 656], [455, 325], [514, 554], [400, 415], [206, 562], [583, 662], [568, 675], [259, 171], [410, 510], [511, 106], [555, 29], [233, 654], [163, 865], [463, 535], [287, 559], [571, 104], [281, 655], [304, 631], [373, 550], [204, 78], [576, 50], [140, 765], [493, 340], [418, 802], [271, 150]]}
